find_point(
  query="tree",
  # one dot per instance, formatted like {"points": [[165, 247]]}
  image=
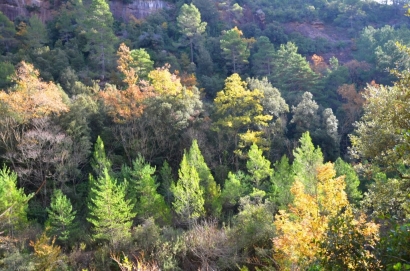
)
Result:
{"points": [[258, 168], [263, 59], [188, 194], [61, 216], [235, 48], [36, 33], [189, 22], [292, 73], [212, 191], [110, 213], [305, 115], [343, 168], [307, 159], [13, 203], [99, 35], [142, 190], [99, 161], [304, 226], [238, 111]]}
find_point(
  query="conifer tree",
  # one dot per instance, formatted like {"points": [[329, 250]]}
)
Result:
{"points": [[142, 188], [235, 48], [99, 162], [61, 216], [307, 159], [258, 168], [13, 203], [110, 213], [189, 22], [212, 191], [188, 195], [100, 35]]}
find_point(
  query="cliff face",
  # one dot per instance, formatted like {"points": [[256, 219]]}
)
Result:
{"points": [[14, 8], [44, 9], [138, 8]]}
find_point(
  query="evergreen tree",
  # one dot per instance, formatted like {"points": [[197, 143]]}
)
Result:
{"points": [[235, 48], [189, 22], [188, 194], [307, 159], [351, 179], [100, 162], [167, 181], [110, 213], [13, 203], [258, 168], [98, 30], [282, 180], [239, 114], [263, 59], [212, 191], [142, 188], [61, 216]]}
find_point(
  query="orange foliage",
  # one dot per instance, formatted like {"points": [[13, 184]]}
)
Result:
{"points": [[353, 106], [319, 65], [125, 105], [31, 97], [188, 80]]}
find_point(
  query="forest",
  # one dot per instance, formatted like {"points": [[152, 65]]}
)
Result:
{"points": [[209, 135]]}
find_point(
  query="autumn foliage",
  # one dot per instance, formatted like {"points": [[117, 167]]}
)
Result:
{"points": [[31, 97]]}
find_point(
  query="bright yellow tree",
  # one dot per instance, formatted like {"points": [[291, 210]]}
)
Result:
{"points": [[304, 228], [239, 113]]}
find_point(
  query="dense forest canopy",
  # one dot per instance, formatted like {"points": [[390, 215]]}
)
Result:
{"points": [[209, 135]]}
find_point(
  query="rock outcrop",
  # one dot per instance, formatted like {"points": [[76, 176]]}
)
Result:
{"points": [[45, 8]]}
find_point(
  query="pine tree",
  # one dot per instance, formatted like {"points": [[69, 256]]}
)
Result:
{"points": [[100, 35], [307, 159], [110, 212], [13, 203], [212, 191], [188, 195], [189, 22], [142, 188], [99, 162], [263, 59], [61, 216], [235, 48], [258, 168]]}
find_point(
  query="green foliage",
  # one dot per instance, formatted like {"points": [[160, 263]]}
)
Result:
{"points": [[61, 216], [110, 213], [100, 162], [282, 180], [188, 195], [142, 191], [99, 34], [142, 62], [307, 159], [292, 72], [351, 179], [13, 203], [6, 72], [258, 168], [234, 188], [263, 59], [235, 48], [212, 191], [190, 25]]}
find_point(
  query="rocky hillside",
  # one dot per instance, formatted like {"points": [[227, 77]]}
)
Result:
{"points": [[44, 8]]}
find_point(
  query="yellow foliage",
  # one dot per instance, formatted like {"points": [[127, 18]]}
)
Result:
{"points": [[164, 82], [31, 97], [46, 253], [303, 228]]}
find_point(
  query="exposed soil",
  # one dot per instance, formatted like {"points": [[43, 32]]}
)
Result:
{"points": [[336, 37]]}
